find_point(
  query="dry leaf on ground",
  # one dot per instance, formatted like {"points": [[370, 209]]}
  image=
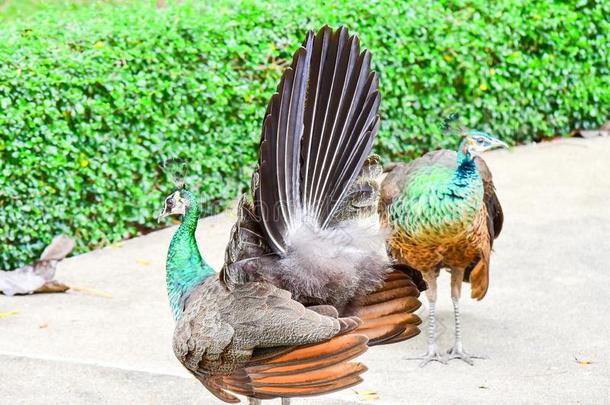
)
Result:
{"points": [[7, 314], [367, 395], [92, 291], [143, 262], [580, 361]]}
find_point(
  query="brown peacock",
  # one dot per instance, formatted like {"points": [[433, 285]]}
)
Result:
{"points": [[443, 212], [307, 282]]}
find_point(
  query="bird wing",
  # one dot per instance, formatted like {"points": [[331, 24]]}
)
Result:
{"points": [[362, 200], [247, 241], [314, 369], [492, 203], [318, 130], [477, 273], [256, 341], [388, 313]]}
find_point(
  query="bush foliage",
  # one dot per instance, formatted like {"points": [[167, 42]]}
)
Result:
{"points": [[93, 100]]}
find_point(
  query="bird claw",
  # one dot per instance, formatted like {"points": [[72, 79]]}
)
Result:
{"points": [[461, 354], [433, 354]]}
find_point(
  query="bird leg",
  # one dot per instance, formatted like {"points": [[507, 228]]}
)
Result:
{"points": [[285, 401], [433, 353], [254, 401], [457, 351]]}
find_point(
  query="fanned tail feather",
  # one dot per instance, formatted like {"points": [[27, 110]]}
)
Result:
{"points": [[317, 134], [297, 372], [318, 130]]}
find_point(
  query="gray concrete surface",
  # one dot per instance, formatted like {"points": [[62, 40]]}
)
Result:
{"points": [[108, 342]]}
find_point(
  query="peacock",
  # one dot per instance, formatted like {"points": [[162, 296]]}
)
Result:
{"points": [[443, 212], [307, 283]]}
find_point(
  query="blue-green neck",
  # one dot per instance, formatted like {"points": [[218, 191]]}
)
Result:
{"points": [[466, 169], [185, 269]]}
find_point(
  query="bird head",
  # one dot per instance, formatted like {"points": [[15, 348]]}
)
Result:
{"points": [[476, 142], [175, 204]]}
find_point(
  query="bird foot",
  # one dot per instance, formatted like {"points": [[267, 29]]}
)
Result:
{"points": [[433, 354], [458, 352]]}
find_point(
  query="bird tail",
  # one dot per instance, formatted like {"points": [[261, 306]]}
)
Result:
{"points": [[318, 131]]}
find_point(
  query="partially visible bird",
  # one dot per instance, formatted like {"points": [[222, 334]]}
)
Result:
{"points": [[307, 282], [38, 276], [443, 212]]}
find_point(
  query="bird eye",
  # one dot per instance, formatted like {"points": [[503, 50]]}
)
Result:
{"points": [[169, 202], [479, 140]]}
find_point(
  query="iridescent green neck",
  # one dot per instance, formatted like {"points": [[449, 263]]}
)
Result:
{"points": [[185, 269], [466, 171]]}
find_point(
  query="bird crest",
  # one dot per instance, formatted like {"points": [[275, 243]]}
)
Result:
{"points": [[451, 124], [176, 169]]}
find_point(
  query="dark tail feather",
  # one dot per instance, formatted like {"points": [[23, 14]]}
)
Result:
{"points": [[469, 269], [414, 274], [318, 131], [277, 193]]}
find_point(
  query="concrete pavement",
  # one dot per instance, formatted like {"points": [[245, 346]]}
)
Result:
{"points": [[108, 341]]}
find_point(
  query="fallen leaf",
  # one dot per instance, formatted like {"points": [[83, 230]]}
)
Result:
{"points": [[8, 313], [43, 326], [117, 245], [579, 361], [143, 262], [92, 291], [367, 395], [483, 387]]}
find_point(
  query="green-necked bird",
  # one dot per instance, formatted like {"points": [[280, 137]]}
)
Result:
{"points": [[443, 212]]}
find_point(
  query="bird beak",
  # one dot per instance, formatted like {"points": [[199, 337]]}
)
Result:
{"points": [[162, 215], [499, 144]]}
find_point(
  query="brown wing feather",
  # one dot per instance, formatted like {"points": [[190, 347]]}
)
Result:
{"points": [[302, 371], [477, 273], [492, 203], [254, 340], [387, 313]]}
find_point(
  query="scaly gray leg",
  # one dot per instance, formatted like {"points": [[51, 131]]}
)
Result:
{"points": [[433, 353], [285, 401], [457, 351], [254, 401]]}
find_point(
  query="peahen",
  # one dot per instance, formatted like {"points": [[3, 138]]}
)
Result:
{"points": [[306, 261], [443, 212], [252, 339]]}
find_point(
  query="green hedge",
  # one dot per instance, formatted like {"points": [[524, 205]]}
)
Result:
{"points": [[93, 100]]}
